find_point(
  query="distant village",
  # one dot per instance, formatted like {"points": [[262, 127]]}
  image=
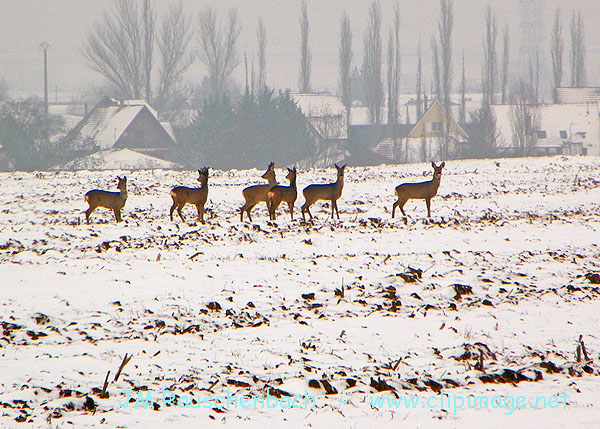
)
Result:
{"points": [[128, 134], [254, 125]]}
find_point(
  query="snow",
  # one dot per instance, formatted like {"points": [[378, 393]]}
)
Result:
{"points": [[203, 308], [123, 159]]}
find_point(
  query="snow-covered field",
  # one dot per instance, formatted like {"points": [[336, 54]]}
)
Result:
{"points": [[486, 301]]}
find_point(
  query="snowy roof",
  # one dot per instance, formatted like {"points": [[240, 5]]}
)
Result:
{"points": [[325, 112], [105, 125], [577, 95], [109, 119], [572, 122], [314, 105], [121, 159], [169, 129]]}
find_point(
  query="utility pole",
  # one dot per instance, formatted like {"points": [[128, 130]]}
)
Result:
{"points": [[45, 46]]}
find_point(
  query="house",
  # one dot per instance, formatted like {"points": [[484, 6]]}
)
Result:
{"points": [[567, 129], [422, 141], [327, 121], [114, 125], [576, 95]]}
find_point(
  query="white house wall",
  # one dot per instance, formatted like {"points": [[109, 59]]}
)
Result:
{"points": [[572, 118]]}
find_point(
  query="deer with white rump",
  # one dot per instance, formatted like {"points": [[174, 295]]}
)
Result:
{"points": [[330, 191], [280, 193], [419, 191], [196, 196], [257, 193], [114, 201]]}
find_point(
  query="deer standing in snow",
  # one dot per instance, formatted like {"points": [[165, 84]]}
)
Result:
{"points": [[114, 201], [197, 196], [329, 191], [257, 193], [280, 193], [420, 191]]}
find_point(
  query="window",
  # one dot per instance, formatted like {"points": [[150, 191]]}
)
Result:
{"points": [[563, 134], [434, 127], [541, 134]]}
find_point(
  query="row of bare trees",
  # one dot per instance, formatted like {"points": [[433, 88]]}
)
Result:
{"points": [[121, 47], [576, 51]]}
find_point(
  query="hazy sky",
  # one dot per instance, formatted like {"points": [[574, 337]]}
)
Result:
{"points": [[24, 24]]}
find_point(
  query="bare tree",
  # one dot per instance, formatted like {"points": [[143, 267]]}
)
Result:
{"points": [[524, 119], [121, 48], [490, 58], [218, 48], [577, 51], [484, 118], [534, 75], [505, 62], [393, 69], [463, 102], [148, 30], [117, 48], [261, 34], [556, 50], [443, 69], [173, 44], [419, 82], [305, 54], [371, 67], [445, 26], [345, 61], [436, 69]]}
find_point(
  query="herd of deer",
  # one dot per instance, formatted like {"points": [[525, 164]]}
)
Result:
{"points": [[271, 193]]}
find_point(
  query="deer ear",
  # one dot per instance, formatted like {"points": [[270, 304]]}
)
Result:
{"points": [[443, 164], [433, 164]]}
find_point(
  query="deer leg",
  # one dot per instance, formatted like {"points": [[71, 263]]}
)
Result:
{"points": [[88, 212], [117, 215], [428, 202], [248, 209], [200, 209], [269, 204], [401, 205], [291, 207], [335, 207], [172, 210], [309, 213], [179, 208], [394, 207], [271, 209]]}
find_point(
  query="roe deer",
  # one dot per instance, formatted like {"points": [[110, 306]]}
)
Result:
{"points": [[197, 196], [257, 193], [109, 200], [330, 191], [280, 193], [420, 191]]}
